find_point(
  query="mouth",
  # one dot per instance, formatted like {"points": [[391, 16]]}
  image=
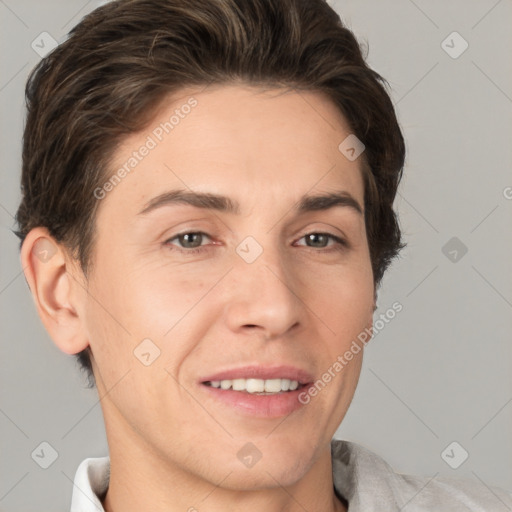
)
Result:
{"points": [[258, 391], [257, 386]]}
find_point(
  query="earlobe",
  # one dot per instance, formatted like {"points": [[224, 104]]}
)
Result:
{"points": [[369, 326], [56, 292]]}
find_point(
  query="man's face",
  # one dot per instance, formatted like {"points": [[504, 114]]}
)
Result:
{"points": [[267, 293]]}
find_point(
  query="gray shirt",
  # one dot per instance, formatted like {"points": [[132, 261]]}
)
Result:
{"points": [[362, 480]]}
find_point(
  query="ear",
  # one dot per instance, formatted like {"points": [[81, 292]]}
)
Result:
{"points": [[58, 289], [369, 324], [374, 308]]}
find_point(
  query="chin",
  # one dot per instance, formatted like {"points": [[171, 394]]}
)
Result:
{"points": [[275, 470], [265, 477]]}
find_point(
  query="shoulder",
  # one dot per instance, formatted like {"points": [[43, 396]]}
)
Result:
{"points": [[367, 481]]}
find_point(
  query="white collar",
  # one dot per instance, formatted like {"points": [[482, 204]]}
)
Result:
{"points": [[90, 485]]}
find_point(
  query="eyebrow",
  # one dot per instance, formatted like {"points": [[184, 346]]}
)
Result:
{"points": [[225, 204]]}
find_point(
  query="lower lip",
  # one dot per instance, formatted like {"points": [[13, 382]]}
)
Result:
{"points": [[264, 406]]}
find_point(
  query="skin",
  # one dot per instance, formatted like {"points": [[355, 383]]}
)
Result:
{"points": [[172, 446]]}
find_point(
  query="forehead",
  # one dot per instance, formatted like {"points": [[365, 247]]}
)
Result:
{"points": [[237, 140]]}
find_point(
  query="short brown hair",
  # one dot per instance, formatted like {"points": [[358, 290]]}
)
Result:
{"points": [[124, 58]]}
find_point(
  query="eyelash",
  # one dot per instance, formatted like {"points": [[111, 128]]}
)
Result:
{"points": [[342, 244]]}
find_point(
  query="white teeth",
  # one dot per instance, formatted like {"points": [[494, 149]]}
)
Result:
{"points": [[226, 384], [273, 385], [285, 384], [238, 384], [256, 385]]}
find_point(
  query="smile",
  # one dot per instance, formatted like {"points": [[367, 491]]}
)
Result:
{"points": [[257, 390], [257, 386]]}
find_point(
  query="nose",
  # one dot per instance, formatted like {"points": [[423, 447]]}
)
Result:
{"points": [[260, 297]]}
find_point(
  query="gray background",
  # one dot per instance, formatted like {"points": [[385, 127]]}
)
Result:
{"points": [[440, 371]]}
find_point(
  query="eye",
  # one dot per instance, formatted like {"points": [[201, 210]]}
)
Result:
{"points": [[320, 240], [190, 242]]}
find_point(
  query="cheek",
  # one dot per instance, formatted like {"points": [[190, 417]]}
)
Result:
{"points": [[345, 308], [347, 295], [127, 307]]}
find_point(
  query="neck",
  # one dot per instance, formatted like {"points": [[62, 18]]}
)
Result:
{"points": [[139, 480]]}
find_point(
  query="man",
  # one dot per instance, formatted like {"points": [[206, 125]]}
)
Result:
{"points": [[207, 215]]}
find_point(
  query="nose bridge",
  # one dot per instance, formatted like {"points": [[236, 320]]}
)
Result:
{"points": [[262, 294]]}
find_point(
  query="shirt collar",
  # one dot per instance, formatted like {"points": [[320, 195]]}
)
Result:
{"points": [[364, 478], [90, 485]]}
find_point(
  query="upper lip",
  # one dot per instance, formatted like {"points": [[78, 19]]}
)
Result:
{"points": [[262, 372]]}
